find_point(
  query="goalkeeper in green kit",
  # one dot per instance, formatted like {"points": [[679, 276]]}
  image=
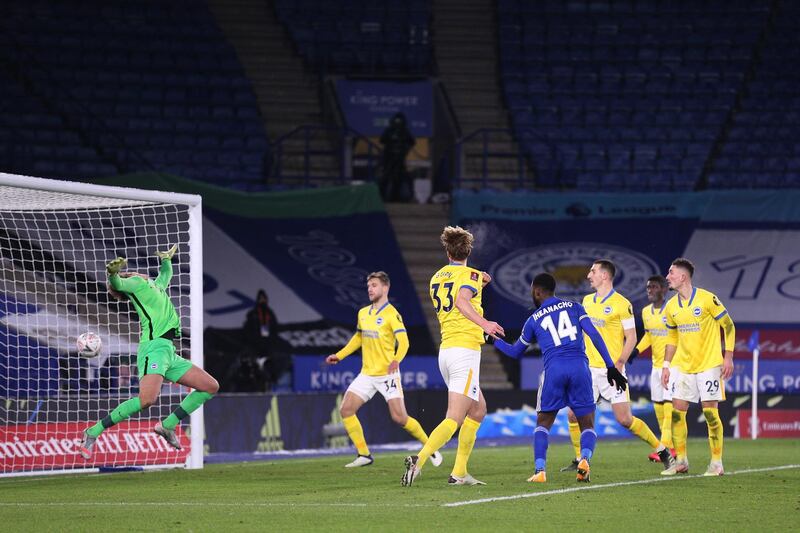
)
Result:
{"points": [[156, 357]]}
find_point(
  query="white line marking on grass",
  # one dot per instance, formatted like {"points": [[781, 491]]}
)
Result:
{"points": [[609, 485], [209, 504]]}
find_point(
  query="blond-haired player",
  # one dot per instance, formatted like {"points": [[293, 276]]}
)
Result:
{"points": [[380, 328], [694, 318], [612, 315], [655, 338], [456, 291]]}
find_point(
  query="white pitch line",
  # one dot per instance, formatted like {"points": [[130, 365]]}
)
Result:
{"points": [[209, 504], [609, 485]]}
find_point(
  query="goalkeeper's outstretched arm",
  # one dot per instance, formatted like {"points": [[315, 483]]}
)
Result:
{"points": [[165, 272]]}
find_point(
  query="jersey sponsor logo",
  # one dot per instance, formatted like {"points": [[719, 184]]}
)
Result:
{"points": [[607, 309], [569, 263], [696, 311]]}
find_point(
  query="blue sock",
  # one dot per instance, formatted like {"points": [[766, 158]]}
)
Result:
{"points": [[540, 436], [588, 440]]}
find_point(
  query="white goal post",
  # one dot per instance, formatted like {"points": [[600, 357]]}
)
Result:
{"points": [[55, 239]]}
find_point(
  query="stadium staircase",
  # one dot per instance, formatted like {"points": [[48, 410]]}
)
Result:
{"points": [[466, 55], [286, 90], [417, 227]]}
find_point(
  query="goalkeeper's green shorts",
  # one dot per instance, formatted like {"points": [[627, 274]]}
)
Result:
{"points": [[158, 357]]}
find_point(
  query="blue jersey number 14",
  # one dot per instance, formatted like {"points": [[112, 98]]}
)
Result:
{"points": [[565, 328]]}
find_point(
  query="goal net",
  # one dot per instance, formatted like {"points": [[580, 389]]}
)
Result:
{"points": [[55, 240]]}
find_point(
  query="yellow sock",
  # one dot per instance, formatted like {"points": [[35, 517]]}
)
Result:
{"points": [[575, 437], [679, 433], [415, 430], [714, 432], [353, 427], [466, 440], [641, 430], [659, 408], [666, 426], [438, 438]]}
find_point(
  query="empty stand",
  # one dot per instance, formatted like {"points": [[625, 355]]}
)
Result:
{"points": [[360, 36], [623, 95], [149, 85]]}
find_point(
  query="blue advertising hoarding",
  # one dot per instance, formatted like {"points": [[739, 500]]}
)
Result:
{"points": [[311, 374]]}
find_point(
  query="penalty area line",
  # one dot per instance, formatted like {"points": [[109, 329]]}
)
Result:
{"points": [[610, 485]]}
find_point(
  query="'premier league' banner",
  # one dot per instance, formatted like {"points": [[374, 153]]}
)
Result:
{"points": [[745, 246]]}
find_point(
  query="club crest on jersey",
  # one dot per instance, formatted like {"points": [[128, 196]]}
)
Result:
{"points": [[696, 311], [569, 262], [607, 309], [664, 319], [153, 366], [379, 320]]}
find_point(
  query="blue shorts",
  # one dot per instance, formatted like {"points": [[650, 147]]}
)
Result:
{"points": [[567, 383]]}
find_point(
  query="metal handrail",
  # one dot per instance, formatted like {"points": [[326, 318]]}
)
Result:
{"points": [[345, 137], [484, 135]]}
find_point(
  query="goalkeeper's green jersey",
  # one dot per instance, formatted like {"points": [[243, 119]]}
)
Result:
{"points": [[151, 301]]}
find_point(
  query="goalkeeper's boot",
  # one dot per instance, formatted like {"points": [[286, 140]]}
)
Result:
{"points": [[436, 458], [466, 480], [583, 471], [678, 467], [572, 466], [666, 458], [539, 477], [85, 448], [412, 472], [361, 460], [168, 435], [714, 469]]}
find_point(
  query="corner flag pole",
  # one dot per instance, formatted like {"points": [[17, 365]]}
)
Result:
{"points": [[753, 345]]}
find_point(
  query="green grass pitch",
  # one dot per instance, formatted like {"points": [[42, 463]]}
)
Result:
{"points": [[626, 493]]}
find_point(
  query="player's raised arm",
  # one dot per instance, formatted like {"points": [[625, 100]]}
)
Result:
{"points": [[119, 283], [165, 272], [464, 305]]}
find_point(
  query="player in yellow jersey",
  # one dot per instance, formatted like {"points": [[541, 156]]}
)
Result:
{"points": [[612, 315], [380, 328], [694, 318], [655, 338], [456, 291]]}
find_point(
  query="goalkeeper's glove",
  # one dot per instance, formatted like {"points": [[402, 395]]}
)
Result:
{"points": [[115, 265], [169, 253], [616, 379]]}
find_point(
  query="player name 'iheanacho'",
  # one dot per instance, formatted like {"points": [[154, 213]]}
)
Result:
{"points": [[550, 308]]}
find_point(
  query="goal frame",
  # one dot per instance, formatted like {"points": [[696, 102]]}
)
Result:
{"points": [[194, 203]]}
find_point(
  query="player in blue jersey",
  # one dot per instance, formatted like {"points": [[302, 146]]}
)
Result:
{"points": [[558, 326]]}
